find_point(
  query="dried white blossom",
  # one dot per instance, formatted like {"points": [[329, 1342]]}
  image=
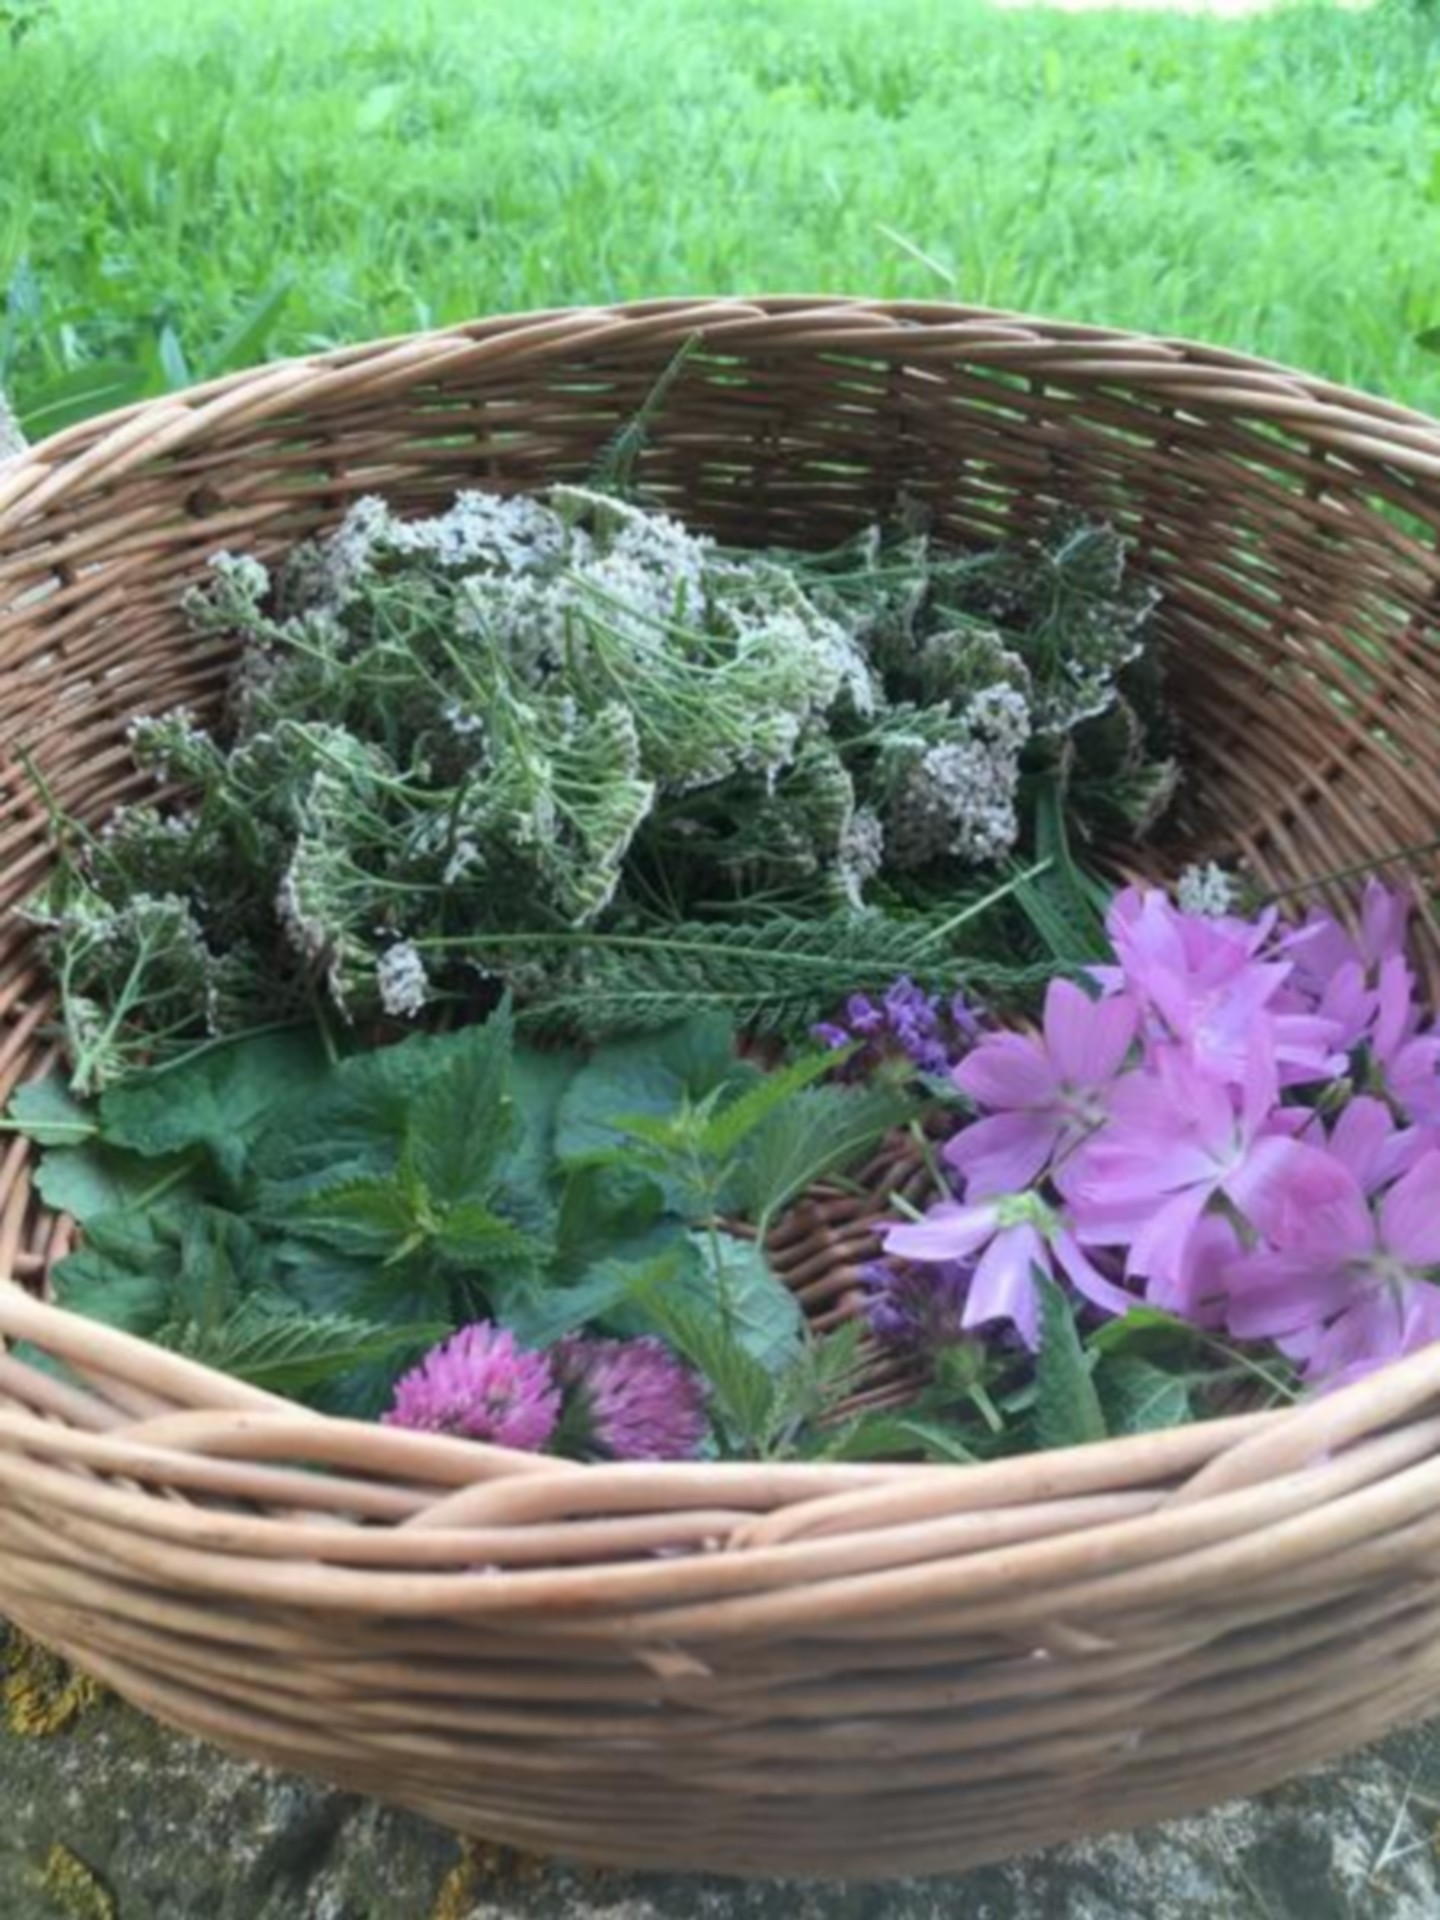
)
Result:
{"points": [[243, 573], [511, 534], [464, 857], [1206, 890], [957, 799], [304, 932], [402, 980], [862, 852]]}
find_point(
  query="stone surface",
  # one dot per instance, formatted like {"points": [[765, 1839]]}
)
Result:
{"points": [[108, 1817]]}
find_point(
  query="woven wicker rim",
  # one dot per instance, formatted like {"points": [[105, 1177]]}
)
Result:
{"points": [[1203, 1586]]}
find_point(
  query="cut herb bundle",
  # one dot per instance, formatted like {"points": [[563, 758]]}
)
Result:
{"points": [[570, 747]]}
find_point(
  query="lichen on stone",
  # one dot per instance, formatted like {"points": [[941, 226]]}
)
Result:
{"points": [[76, 1889], [40, 1693]]}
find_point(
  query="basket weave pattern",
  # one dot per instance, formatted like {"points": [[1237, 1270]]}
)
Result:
{"points": [[754, 1668]]}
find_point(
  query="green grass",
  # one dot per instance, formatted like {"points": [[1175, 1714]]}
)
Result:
{"points": [[187, 187]]}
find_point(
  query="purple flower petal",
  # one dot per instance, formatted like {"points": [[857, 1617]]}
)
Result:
{"points": [[1004, 1283], [1006, 1071], [1410, 1214], [1005, 1153], [948, 1232], [1088, 1039], [1302, 1199], [1086, 1278]]}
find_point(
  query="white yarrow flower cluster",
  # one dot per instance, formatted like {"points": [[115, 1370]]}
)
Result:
{"points": [[243, 573], [510, 534], [862, 853], [1207, 890], [304, 933], [957, 799], [402, 981]]}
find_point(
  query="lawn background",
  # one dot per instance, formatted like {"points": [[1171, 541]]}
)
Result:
{"points": [[186, 188]]}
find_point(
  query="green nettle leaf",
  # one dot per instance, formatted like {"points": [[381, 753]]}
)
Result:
{"points": [[464, 1117], [727, 1129], [472, 1236], [743, 1391], [538, 1080], [1067, 1412], [752, 1307], [355, 1127], [217, 1100], [816, 1133], [291, 1353], [367, 1216], [47, 1112], [646, 1078], [221, 1258], [657, 1263], [1139, 1397], [881, 1436], [600, 1208]]}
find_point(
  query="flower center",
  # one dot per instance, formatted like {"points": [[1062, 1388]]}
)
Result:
{"points": [[1026, 1210]]}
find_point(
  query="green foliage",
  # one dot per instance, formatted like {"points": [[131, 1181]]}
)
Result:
{"points": [[771, 974], [395, 172], [1139, 1397], [310, 1224], [19, 18], [1067, 1410]]}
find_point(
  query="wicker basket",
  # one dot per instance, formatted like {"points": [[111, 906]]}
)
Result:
{"points": [[842, 1670]]}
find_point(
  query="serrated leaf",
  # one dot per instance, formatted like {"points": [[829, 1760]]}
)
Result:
{"points": [[463, 1118], [367, 1216], [356, 1124], [217, 1100], [891, 1436], [816, 1133], [599, 1207], [1139, 1397], [653, 1076], [221, 1257], [652, 1262], [47, 1112], [752, 1307], [1067, 1408], [292, 1354], [742, 1390], [471, 1235], [727, 1129], [124, 1274]]}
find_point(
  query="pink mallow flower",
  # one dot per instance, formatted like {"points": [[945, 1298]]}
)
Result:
{"points": [[1204, 982], [1322, 948], [1344, 1279], [1009, 1237], [479, 1384], [1045, 1093], [629, 1399], [1178, 1139]]}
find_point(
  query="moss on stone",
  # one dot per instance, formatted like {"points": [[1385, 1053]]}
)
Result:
{"points": [[77, 1890], [39, 1693]]}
